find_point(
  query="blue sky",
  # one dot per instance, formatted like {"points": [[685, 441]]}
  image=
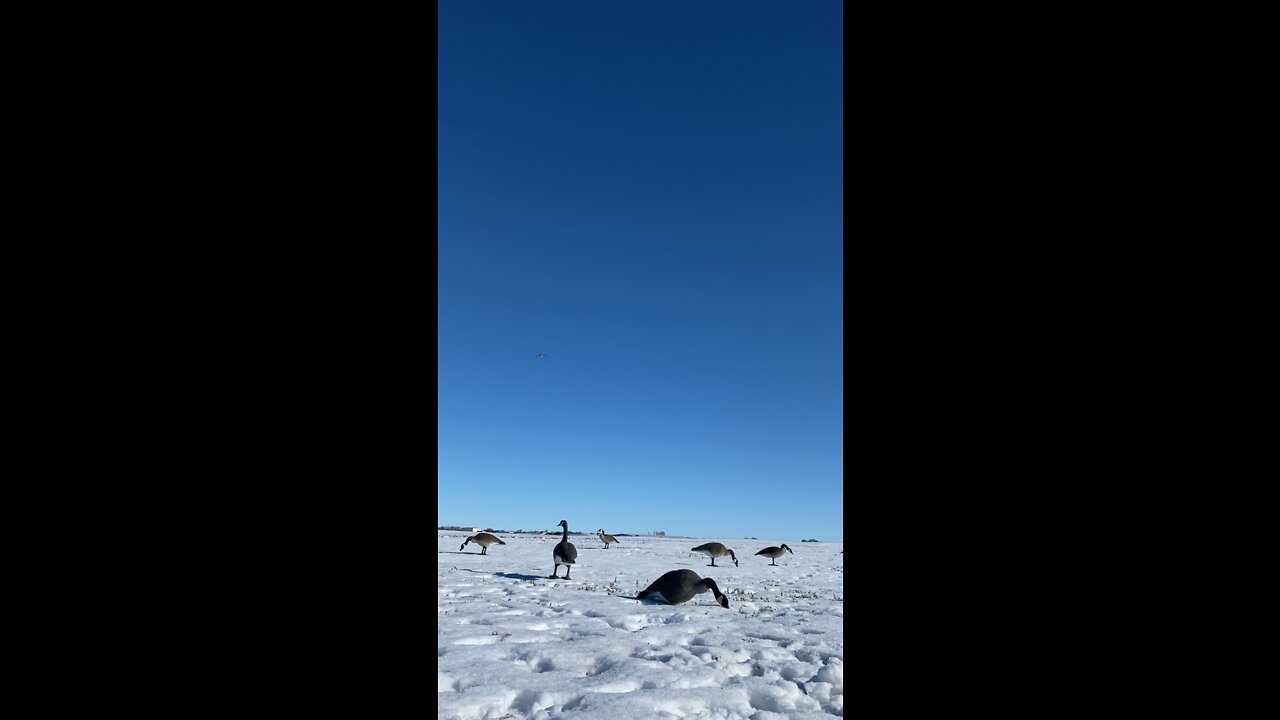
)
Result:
{"points": [[651, 194]]}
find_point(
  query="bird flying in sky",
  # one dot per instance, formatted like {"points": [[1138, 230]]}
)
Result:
{"points": [[542, 355]]}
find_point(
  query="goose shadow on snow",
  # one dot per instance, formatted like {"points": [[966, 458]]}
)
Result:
{"points": [[520, 576]]}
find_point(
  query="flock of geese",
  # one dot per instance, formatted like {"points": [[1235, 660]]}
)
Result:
{"points": [[674, 587]]}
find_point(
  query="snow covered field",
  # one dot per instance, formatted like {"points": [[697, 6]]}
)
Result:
{"points": [[514, 644]]}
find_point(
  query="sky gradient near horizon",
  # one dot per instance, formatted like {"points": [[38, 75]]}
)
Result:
{"points": [[650, 194]]}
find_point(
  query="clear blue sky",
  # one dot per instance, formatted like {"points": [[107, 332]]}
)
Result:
{"points": [[651, 194]]}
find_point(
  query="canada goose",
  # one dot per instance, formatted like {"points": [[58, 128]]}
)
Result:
{"points": [[776, 552], [606, 538], [484, 540], [715, 550], [680, 586], [564, 553]]}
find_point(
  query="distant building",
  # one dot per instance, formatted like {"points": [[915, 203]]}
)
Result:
{"points": [[476, 529]]}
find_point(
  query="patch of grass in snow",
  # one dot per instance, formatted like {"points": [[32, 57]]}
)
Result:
{"points": [[753, 610]]}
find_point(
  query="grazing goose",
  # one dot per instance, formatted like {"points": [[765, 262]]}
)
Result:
{"points": [[484, 540], [680, 586], [715, 550], [606, 538], [564, 553], [776, 552]]}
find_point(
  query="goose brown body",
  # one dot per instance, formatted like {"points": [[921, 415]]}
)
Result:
{"points": [[776, 552], [484, 540], [680, 586], [605, 538], [714, 550], [564, 552]]}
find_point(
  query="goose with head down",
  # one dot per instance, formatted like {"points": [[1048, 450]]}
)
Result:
{"points": [[776, 552], [714, 550], [680, 586], [484, 540]]}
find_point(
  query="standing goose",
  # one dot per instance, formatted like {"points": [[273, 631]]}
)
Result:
{"points": [[484, 540], [715, 550], [776, 552], [564, 553], [606, 538], [680, 586]]}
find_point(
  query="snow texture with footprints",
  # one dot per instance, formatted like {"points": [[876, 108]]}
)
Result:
{"points": [[513, 644]]}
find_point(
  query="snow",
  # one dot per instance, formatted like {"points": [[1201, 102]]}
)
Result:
{"points": [[514, 644]]}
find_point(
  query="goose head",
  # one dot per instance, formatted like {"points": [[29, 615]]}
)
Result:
{"points": [[715, 590]]}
